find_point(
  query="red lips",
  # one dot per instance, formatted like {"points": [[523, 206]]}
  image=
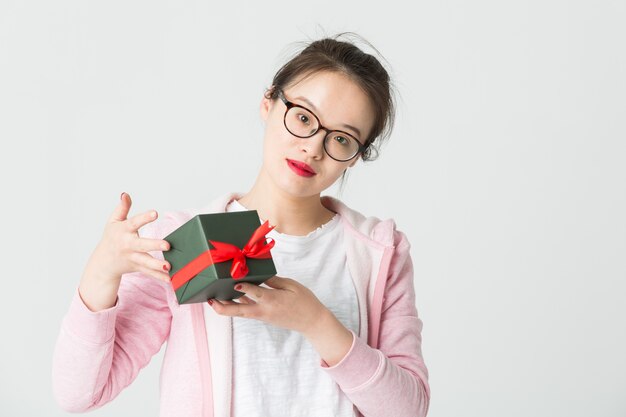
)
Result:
{"points": [[301, 168]]}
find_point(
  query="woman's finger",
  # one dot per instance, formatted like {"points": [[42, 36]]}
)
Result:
{"points": [[136, 222], [246, 300], [144, 244], [121, 210], [147, 261], [161, 276]]}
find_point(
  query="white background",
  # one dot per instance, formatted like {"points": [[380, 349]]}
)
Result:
{"points": [[506, 170]]}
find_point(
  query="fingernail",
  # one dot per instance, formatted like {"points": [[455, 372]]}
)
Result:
{"points": [[165, 267], [210, 302], [238, 287], [121, 195]]}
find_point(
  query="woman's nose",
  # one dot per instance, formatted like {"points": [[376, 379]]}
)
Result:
{"points": [[314, 145]]}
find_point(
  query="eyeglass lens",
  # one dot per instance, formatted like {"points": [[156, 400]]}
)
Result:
{"points": [[303, 123]]}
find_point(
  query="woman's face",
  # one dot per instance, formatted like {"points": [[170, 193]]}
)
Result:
{"points": [[338, 102]]}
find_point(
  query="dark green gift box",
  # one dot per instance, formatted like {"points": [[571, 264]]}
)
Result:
{"points": [[192, 242]]}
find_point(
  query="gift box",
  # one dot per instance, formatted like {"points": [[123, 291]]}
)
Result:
{"points": [[211, 253]]}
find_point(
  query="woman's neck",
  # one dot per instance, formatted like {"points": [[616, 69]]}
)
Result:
{"points": [[297, 216]]}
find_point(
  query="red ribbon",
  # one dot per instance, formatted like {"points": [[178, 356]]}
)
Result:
{"points": [[257, 248]]}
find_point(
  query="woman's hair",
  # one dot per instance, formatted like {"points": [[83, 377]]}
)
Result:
{"points": [[330, 54]]}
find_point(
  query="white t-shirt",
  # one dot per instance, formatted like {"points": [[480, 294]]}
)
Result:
{"points": [[276, 371]]}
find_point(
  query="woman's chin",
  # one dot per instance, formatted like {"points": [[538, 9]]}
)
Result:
{"points": [[298, 189]]}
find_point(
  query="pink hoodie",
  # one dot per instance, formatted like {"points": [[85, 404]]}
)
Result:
{"points": [[98, 354]]}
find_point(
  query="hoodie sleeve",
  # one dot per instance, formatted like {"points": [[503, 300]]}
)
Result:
{"points": [[391, 380], [98, 354]]}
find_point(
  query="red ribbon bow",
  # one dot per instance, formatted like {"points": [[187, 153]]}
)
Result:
{"points": [[257, 247]]}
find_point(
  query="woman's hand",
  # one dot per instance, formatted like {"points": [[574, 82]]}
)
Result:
{"points": [[287, 304], [121, 251]]}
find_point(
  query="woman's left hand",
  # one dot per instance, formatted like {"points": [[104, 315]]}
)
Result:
{"points": [[287, 304]]}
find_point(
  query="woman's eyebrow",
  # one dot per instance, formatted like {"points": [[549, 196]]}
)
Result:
{"points": [[306, 100]]}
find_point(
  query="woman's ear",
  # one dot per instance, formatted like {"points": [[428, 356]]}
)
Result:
{"points": [[266, 103]]}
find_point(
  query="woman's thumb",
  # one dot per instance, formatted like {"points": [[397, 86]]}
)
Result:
{"points": [[122, 209]]}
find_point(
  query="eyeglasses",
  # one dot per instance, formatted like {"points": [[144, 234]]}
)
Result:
{"points": [[303, 123]]}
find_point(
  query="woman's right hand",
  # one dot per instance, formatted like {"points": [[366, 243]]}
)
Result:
{"points": [[122, 251]]}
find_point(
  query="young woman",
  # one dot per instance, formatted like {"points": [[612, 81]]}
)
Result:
{"points": [[335, 333]]}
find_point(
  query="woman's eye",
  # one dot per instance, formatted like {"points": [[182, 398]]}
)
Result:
{"points": [[303, 119], [341, 140]]}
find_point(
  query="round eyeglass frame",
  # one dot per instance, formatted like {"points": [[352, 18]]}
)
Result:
{"points": [[290, 105]]}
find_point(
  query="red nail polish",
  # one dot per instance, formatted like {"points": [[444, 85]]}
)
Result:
{"points": [[210, 302], [166, 268], [238, 287]]}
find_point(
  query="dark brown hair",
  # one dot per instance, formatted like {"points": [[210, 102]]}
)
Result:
{"points": [[330, 54]]}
